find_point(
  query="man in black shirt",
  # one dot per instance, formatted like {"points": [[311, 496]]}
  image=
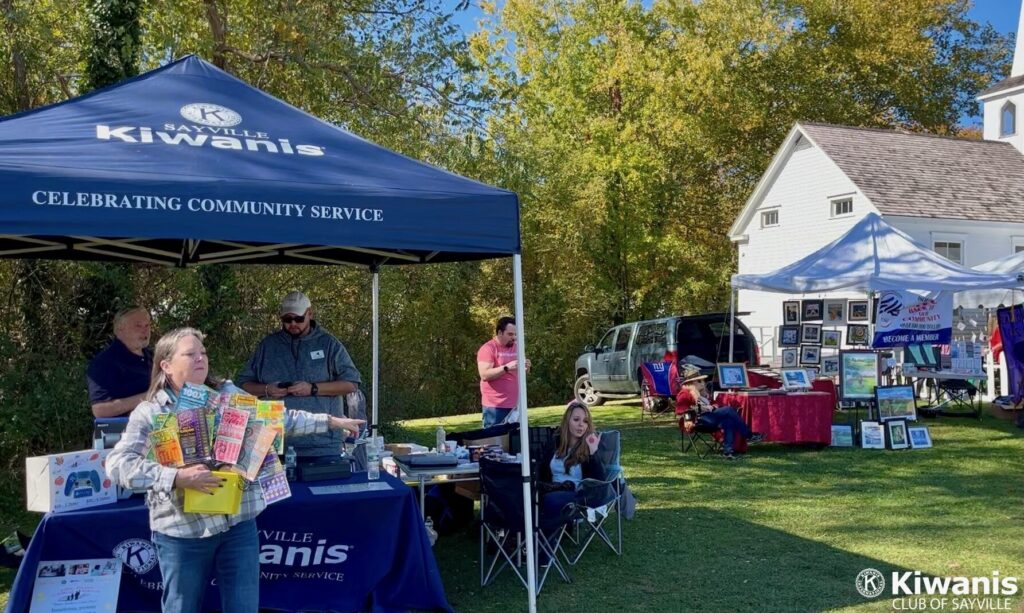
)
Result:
{"points": [[118, 376]]}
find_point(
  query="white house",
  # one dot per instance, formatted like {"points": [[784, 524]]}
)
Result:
{"points": [[964, 198]]}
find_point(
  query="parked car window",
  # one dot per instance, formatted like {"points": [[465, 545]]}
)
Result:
{"points": [[606, 342], [689, 331], [652, 334], [622, 341], [720, 329]]}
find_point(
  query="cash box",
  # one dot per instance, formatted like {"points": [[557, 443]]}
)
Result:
{"points": [[321, 469]]}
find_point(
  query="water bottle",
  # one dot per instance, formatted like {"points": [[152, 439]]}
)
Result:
{"points": [[290, 459], [440, 439], [372, 460]]}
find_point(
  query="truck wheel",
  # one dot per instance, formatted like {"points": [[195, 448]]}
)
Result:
{"points": [[585, 392]]}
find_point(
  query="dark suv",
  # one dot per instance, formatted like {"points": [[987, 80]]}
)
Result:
{"points": [[612, 368]]}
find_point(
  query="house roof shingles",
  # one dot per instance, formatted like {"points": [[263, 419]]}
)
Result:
{"points": [[1009, 83], [922, 175]]}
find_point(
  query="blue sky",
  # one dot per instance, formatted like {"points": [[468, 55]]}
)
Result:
{"points": [[1002, 14]]}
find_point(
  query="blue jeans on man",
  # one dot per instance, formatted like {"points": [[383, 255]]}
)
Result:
{"points": [[494, 416], [730, 422], [188, 564]]}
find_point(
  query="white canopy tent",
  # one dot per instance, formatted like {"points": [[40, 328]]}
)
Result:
{"points": [[1011, 264], [871, 256]]}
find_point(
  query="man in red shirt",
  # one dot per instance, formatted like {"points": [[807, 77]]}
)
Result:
{"points": [[496, 361]]}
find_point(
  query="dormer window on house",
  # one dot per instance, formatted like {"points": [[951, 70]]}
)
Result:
{"points": [[842, 206], [1008, 120], [769, 218]]}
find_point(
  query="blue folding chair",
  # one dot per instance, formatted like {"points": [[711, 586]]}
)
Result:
{"points": [[656, 396]]}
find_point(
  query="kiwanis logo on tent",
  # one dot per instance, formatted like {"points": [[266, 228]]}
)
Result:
{"points": [[213, 115]]}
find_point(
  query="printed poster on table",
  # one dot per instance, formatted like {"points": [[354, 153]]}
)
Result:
{"points": [[903, 318], [76, 586]]}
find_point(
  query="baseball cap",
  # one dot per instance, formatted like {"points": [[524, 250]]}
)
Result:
{"points": [[295, 303]]}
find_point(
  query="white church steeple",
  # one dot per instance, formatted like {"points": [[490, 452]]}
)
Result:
{"points": [[1003, 103], [1018, 52]]}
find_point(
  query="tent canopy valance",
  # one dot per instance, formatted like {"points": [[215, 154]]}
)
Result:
{"points": [[187, 164], [873, 256]]}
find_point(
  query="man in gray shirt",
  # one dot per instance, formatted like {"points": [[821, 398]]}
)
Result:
{"points": [[305, 366]]}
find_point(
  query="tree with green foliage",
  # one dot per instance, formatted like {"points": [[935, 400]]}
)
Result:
{"points": [[634, 133]]}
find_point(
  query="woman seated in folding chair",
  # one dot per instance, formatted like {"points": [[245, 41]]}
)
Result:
{"points": [[694, 397], [566, 463]]}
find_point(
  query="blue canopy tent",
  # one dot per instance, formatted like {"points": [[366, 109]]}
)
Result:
{"points": [[189, 165]]}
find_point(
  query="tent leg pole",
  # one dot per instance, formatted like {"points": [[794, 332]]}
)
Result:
{"points": [[375, 386], [732, 321], [524, 434]]}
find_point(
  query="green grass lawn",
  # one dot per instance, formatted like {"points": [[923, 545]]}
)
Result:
{"points": [[785, 529]]}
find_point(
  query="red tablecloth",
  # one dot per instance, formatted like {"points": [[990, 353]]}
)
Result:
{"points": [[828, 386], [772, 382], [785, 418], [757, 380]]}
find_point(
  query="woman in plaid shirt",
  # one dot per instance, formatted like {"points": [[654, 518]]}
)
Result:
{"points": [[193, 548]]}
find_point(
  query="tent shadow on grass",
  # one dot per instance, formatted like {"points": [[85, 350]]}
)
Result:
{"points": [[682, 558]]}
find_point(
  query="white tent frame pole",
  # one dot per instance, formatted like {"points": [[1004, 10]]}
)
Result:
{"points": [[375, 386], [732, 320], [524, 432]]}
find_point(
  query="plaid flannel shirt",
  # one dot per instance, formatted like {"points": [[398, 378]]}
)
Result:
{"points": [[128, 466]]}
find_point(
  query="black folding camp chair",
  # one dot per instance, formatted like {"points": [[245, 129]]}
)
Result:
{"points": [[697, 436], [503, 525]]}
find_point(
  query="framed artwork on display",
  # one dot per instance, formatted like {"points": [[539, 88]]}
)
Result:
{"points": [[898, 438], [858, 374], [791, 312], [810, 354], [896, 402], [831, 338], [811, 310], [830, 365], [920, 437], [857, 334], [795, 379], [835, 311], [789, 336], [812, 372], [842, 435], [872, 435], [810, 333], [733, 375], [791, 357], [857, 310]]}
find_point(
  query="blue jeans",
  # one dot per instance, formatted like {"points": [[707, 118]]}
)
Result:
{"points": [[730, 422], [494, 416], [188, 564]]}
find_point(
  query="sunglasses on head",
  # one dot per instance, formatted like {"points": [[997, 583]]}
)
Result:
{"points": [[287, 319]]}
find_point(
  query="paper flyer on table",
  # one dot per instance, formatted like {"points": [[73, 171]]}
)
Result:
{"points": [[76, 586]]}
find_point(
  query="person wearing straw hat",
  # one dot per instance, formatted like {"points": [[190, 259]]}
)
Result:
{"points": [[693, 395]]}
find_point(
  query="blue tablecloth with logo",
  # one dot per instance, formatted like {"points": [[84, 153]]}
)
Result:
{"points": [[353, 551]]}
